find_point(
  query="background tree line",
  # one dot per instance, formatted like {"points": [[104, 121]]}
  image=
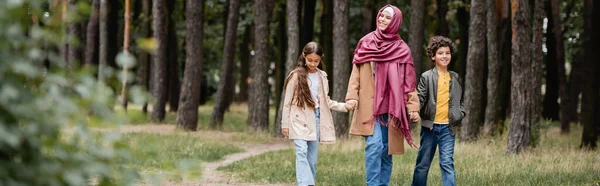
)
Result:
{"points": [[524, 63]]}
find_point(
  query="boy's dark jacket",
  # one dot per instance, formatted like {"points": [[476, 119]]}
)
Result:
{"points": [[427, 90]]}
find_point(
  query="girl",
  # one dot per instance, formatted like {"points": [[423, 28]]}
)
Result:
{"points": [[306, 112]]}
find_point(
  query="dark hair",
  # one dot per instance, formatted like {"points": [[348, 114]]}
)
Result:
{"points": [[437, 42], [302, 95]]}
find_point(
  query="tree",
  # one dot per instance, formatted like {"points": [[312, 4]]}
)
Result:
{"points": [[126, 37], [280, 64], [551, 107], [590, 103], [258, 102], [492, 109], [74, 54], [103, 48], [308, 21], [91, 48], [159, 64], [462, 16], [173, 84], [367, 17], [245, 59], [442, 10], [416, 36], [187, 115], [560, 64], [475, 67], [226, 79], [143, 62], [341, 56], [526, 74]]}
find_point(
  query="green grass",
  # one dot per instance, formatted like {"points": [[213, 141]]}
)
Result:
{"points": [[557, 161], [174, 154], [234, 120]]}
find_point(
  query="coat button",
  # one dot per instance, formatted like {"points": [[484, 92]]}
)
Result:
{"points": [[304, 125], [296, 115]]}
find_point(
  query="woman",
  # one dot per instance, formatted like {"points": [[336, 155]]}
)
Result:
{"points": [[382, 90], [306, 112]]}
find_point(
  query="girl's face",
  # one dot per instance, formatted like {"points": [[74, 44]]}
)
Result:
{"points": [[442, 56], [383, 20], [312, 62]]}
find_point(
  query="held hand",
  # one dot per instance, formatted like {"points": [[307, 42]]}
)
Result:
{"points": [[351, 104], [414, 116], [285, 132]]}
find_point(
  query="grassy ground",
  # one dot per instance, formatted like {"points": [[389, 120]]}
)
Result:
{"points": [[557, 161]]}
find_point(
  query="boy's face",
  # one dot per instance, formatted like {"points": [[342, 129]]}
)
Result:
{"points": [[442, 56]]}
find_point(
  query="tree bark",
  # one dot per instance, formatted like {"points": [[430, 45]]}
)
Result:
{"points": [[258, 102], [462, 16], [159, 64], [308, 21], [590, 102], [144, 59], [226, 74], [442, 10], [326, 40], [245, 60], [126, 38], [342, 63], [492, 109], [187, 115], [526, 75], [475, 66], [560, 64], [416, 35], [103, 48], [551, 107], [367, 16], [280, 66], [173, 84], [91, 48], [74, 32]]}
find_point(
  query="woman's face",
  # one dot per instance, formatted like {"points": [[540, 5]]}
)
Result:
{"points": [[384, 20], [312, 62]]}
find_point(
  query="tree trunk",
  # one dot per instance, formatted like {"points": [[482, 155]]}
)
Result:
{"points": [[159, 64], [560, 64], [91, 48], [342, 63], [551, 107], [74, 32], [103, 52], [475, 66], [187, 115], [114, 31], [144, 59], [367, 16], [506, 47], [416, 35], [245, 60], [526, 75], [226, 74], [126, 37], [326, 41], [308, 21], [442, 10], [258, 102], [590, 102], [173, 83], [462, 16], [492, 109], [280, 65]]}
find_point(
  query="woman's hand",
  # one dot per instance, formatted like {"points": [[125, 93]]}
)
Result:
{"points": [[285, 132], [414, 116], [351, 104]]}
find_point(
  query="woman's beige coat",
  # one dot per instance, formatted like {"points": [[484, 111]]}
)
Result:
{"points": [[361, 87], [301, 121]]}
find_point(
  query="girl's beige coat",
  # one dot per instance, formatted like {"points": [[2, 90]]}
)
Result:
{"points": [[301, 121]]}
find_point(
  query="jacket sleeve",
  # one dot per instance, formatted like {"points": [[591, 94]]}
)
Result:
{"points": [[413, 104], [422, 91], [287, 101], [353, 84]]}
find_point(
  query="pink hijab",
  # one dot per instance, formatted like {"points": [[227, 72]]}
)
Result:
{"points": [[394, 73]]}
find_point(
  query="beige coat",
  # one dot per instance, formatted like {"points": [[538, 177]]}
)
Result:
{"points": [[361, 87], [301, 122]]}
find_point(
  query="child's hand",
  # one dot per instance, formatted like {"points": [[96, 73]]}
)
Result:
{"points": [[414, 116], [351, 104], [285, 132]]}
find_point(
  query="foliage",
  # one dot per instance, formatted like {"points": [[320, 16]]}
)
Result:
{"points": [[45, 108]]}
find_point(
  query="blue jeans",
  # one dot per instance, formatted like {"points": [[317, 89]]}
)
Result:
{"points": [[430, 139], [306, 157], [377, 161]]}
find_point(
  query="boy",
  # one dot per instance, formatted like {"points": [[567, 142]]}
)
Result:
{"points": [[440, 96]]}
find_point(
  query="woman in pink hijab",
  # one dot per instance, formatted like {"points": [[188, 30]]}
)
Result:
{"points": [[382, 91]]}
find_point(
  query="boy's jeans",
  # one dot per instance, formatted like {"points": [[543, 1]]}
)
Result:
{"points": [[306, 157], [430, 139], [378, 162]]}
